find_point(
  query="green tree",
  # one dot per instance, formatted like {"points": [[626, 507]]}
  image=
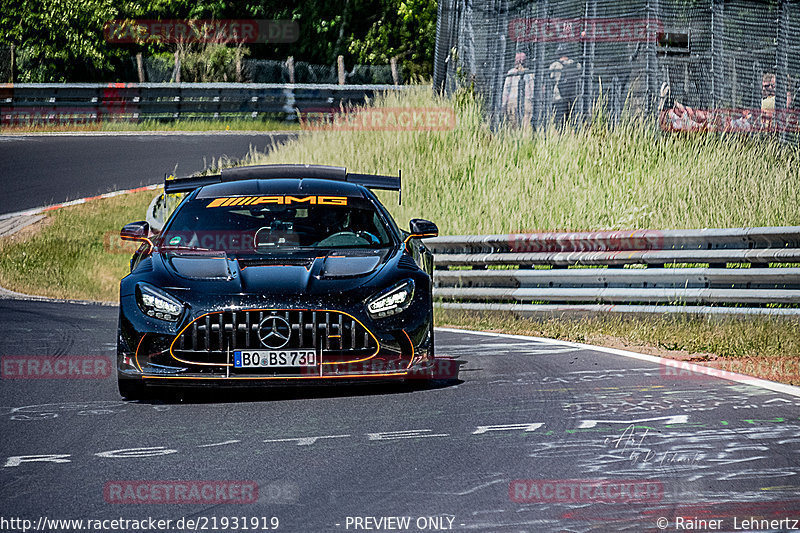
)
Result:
{"points": [[363, 31], [58, 40], [64, 40], [405, 29]]}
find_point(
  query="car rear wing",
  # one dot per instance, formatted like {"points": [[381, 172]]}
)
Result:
{"points": [[371, 181]]}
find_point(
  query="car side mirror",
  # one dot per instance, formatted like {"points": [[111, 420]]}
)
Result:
{"points": [[421, 228], [135, 231]]}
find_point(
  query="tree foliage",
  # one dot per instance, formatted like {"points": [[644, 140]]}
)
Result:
{"points": [[58, 39], [406, 30], [63, 40]]}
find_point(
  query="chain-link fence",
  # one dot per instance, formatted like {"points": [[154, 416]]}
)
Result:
{"points": [[158, 69], [270, 71], [222, 67], [711, 65], [162, 69]]}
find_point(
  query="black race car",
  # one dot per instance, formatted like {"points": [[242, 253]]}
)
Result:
{"points": [[276, 274]]}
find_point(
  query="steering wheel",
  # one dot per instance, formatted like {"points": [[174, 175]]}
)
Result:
{"points": [[343, 238], [372, 239]]}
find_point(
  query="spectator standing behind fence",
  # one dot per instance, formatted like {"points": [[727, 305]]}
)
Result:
{"points": [[565, 75], [768, 92], [518, 97]]}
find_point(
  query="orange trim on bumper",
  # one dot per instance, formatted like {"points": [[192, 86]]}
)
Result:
{"points": [[247, 378], [136, 353]]}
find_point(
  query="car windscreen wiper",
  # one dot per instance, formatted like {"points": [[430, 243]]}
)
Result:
{"points": [[178, 247]]}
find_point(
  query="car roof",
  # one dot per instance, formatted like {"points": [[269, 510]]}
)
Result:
{"points": [[282, 186]]}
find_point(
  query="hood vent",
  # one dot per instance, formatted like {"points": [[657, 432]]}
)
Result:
{"points": [[348, 267], [276, 261], [199, 267]]}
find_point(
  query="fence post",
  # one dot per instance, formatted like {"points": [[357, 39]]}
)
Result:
{"points": [[140, 67], [340, 69], [541, 111], [589, 60], [717, 28], [177, 72], [239, 64], [781, 72], [498, 63], [648, 64], [290, 68], [654, 87], [443, 43], [13, 63], [395, 73]]}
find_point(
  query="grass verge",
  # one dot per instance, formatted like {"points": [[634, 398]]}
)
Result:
{"points": [[765, 347], [75, 251]]}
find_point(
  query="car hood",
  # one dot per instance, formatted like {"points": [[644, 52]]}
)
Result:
{"points": [[273, 274]]}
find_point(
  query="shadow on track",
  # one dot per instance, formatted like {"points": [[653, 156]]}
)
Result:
{"points": [[229, 394]]}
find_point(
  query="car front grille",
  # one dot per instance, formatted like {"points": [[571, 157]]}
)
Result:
{"points": [[338, 336]]}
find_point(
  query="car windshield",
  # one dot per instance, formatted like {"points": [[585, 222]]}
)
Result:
{"points": [[226, 224]]}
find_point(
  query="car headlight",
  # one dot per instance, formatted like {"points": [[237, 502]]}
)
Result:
{"points": [[157, 304], [392, 300]]}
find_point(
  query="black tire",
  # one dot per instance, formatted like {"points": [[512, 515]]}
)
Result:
{"points": [[430, 374], [131, 389]]}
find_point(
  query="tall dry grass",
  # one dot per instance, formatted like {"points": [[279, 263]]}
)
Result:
{"points": [[475, 180]]}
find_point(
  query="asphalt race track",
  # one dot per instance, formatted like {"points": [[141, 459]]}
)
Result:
{"points": [[37, 170], [446, 457], [531, 436]]}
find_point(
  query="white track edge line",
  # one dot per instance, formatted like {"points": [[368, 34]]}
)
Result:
{"points": [[132, 133], [683, 365], [42, 209]]}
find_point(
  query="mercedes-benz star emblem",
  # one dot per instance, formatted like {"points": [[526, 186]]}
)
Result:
{"points": [[274, 332]]}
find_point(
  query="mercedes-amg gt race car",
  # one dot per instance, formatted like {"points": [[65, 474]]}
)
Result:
{"points": [[276, 274]]}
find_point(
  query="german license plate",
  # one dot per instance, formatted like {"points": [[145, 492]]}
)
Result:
{"points": [[274, 358]]}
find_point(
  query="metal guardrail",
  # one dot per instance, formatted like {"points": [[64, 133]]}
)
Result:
{"points": [[86, 102], [710, 271], [705, 239]]}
